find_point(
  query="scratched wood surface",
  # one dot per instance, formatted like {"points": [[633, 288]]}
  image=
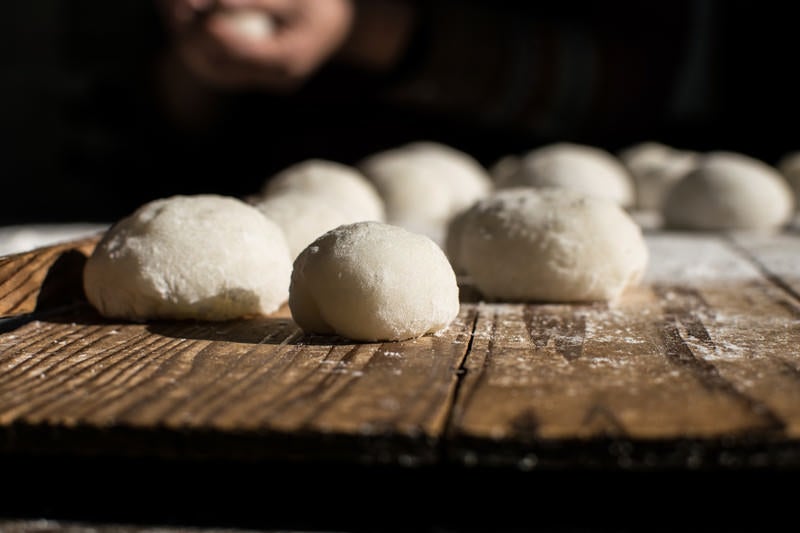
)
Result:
{"points": [[698, 366]]}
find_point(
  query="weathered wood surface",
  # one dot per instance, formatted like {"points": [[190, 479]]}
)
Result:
{"points": [[43, 277], [698, 366]]}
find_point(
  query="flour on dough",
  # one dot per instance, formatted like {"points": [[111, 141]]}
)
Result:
{"points": [[203, 257], [373, 282]]}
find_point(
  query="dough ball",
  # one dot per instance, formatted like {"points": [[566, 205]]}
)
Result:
{"points": [[424, 184], [504, 168], [729, 191], [250, 24], [789, 166], [302, 217], [371, 281], [452, 242], [551, 244], [341, 186], [655, 168], [201, 257], [586, 169]]}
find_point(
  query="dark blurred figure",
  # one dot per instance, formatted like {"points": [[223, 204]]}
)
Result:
{"points": [[107, 105]]}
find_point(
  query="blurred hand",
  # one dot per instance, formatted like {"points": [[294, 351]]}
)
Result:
{"points": [[277, 52]]}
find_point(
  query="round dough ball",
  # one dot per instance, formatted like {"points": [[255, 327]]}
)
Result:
{"points": [[504, 168], [729, 191], [551, 244], [655, 168], [250, 24], [586, 169], [452, 242], [203, 257], [371, 281], [302, 217], [341, 186], [789, 166], [424, 184]]}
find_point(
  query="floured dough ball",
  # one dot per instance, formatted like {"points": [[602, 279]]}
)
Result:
{"points": [[251, 24], [655, 168], [729, 191], [341, 186], [505, 168], [203, 257], [424, 184], [371, 281], [302, 217], [452, 242], [789, 166], [551, 244], [586, 169]]}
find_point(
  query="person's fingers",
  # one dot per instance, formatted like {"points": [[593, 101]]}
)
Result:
{"points": [[214, 65], [206, 61]]}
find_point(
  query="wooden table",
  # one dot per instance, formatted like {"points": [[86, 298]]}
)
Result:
{"points": [[696, 370]]}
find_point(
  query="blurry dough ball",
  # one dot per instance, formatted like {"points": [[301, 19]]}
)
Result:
{"points": [[582, 168], [504, 168], [371, 281], [729, 191], [789, 166], [339, 185], [424, 184], [655, 168], [302, 217], [452, 242], [551, 244], [202, 257], [251, 24]]}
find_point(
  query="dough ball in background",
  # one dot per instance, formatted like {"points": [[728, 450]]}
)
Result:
{"points": [[452, 242], [424, 184], [302, 217], [789, 166], [729, 191], [505, 168], [655, 168], [203, 257], [373, 282], [551, 245], [252, 24], [586, 169], [342, 186]]}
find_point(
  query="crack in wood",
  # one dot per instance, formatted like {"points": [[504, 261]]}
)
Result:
{"points": [[461, 372], [768, 274], [680, 353]]}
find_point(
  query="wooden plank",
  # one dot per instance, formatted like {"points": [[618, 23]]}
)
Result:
{"points": [[778, 255], [697, 366], [256, 387], [746, 328], [43, 278], [703, 352]]}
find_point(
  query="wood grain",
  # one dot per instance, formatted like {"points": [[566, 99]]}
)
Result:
{"points": [[44, 277], [698, 366], [705, 351], [249, 378], [777, 254]]}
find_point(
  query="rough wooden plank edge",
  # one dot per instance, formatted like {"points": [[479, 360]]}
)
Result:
{"points": [[162, 443], [43, 278]]}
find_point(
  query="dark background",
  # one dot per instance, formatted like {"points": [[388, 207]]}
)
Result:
{"points": [[85, 136]]}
